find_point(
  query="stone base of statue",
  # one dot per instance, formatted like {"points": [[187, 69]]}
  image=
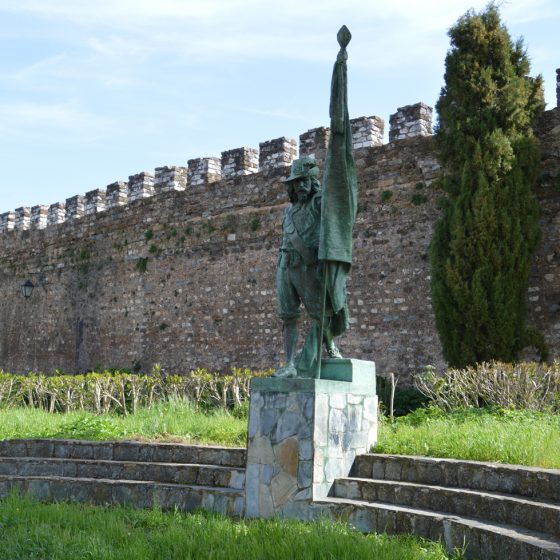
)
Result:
{"points": [[304, 433]]}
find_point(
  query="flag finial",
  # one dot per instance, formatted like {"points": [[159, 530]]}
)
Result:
{"points": [[343, 36]]}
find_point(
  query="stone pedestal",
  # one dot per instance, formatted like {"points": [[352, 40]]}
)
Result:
{"points": [[304, 433]]}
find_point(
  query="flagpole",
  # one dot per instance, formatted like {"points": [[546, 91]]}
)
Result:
{"points": [[322, 321]]}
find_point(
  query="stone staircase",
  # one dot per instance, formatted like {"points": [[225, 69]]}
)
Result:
{"points": [[496, 511], [141, 474], [493, 511]]}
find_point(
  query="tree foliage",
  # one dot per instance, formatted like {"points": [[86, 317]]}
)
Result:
{"points": [[482, 245]]}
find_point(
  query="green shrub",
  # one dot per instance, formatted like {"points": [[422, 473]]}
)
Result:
{"points": [[418, 198], [386, 196], [142, 264]]}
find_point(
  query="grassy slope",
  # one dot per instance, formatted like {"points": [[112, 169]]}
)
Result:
{"points": [[515, 437], [165, 421], [67, 531]]}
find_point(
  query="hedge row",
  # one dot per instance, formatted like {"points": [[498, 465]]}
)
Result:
{"points": [[124, 392], [525, 385]]}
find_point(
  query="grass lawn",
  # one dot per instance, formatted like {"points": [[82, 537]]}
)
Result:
{"points": [[506, 436], [69, 531], [166, 421], [515, 437]]}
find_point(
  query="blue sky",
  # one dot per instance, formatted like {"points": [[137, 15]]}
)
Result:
{"points": [[96, 90]]}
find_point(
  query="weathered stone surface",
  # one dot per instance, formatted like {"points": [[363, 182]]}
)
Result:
{"points": [[287, 455], [307, 422], [289, 423], [283, 487], [239, 162], [202, 171], [260, 451], [411, 121], [266, 506], [170, 178], [58, 470], [338, 400], [22, 218], [277, 154]]}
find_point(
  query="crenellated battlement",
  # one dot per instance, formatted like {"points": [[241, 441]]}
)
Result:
{"points": [[116, 194], [411, 121], [96, 201], [75, 207], [239, 162], [271, 159], [39, 216]]}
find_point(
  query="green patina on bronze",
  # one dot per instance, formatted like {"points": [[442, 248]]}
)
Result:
{"points": [[316, 252]]}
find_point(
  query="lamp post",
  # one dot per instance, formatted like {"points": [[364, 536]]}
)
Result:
{"points": [[27, 289]]}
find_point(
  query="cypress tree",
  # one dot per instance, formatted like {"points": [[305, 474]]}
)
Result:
{"points": [[488, 230]]}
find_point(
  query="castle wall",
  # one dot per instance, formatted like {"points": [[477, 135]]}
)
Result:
{"points": [[182, 273]]}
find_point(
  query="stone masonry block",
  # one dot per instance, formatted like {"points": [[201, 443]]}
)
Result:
{"points": [[203, 171], [95, 201], [240, 161], [411, 121], [367, 132], [117, 194], [314, 144], [23, 218], [140, 186], [276, 154], [75, 207], [170, 178], [39, 216], [7, 221], [56, 213]]}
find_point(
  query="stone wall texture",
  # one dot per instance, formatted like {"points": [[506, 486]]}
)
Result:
{"points": [[185, 278]]}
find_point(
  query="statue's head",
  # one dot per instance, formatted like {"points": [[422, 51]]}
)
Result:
{"points": [[303, 180]]}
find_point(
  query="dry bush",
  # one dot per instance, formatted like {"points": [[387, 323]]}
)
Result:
{"points": [[123, 392], [527, 385]]}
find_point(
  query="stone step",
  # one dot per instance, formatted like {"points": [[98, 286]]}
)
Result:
{"points": [[531, 482], [484, 539], [178, 473], [492, 506], [140, 494], [124, 451]]}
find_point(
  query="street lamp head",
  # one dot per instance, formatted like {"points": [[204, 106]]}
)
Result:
{"points": [[27, 289]]}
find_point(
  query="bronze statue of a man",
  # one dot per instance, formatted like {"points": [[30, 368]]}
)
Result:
{"points": [[316, 252], [298, 276]]}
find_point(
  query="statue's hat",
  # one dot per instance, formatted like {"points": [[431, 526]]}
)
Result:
{"points": [[302, 168]]}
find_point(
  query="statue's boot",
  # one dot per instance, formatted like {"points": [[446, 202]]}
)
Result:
{"points": [[332, 350], [289, 370], [290, 332]]}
